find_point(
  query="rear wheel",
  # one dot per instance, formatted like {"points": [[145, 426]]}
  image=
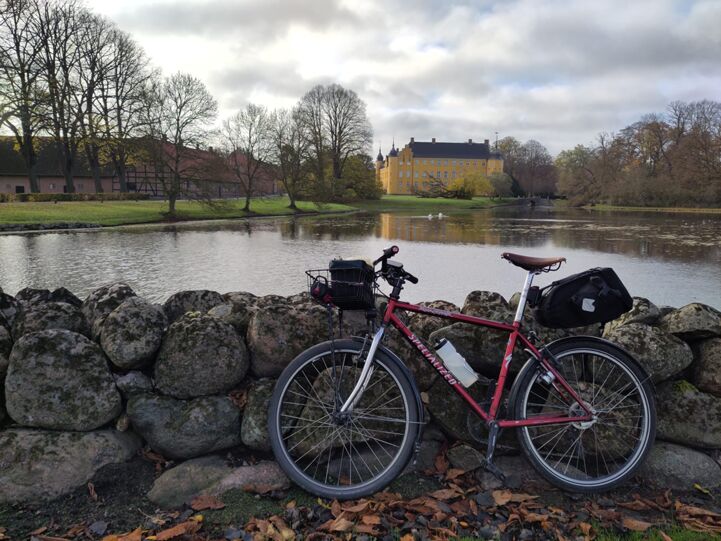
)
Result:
{"points": [[599, 454], [334, 455]]}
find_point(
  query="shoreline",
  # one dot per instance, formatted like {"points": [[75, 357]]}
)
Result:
{"points": [[675, 210]]}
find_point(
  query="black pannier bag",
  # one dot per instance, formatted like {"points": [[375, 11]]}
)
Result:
{"points": [[351, 284], [594, 296]]}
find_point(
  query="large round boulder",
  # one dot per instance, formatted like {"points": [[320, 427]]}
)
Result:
{"points": [[200, 356], [132, 333], [688, 416], [674, 466], [642, 311], [59, 380], [185, 428], [489, 305], [481, 347], [236, 314], [41, 465], [707, 367], [98, 305], [693, 322], [133, 382], [29, 296], [200, 300], [278, 333], [660, 353], [6, 345], [64, 295], [456, 419], [9, 308], [49, 315], [254, 428], [422, 325]]}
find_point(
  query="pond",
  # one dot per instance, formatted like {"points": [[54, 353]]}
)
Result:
{"points": [[673, 259]]}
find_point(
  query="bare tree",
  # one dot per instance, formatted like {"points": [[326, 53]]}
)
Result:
{"points": [[349, 130], [311, 113], [94, 68], [122, 96], [59, 26], [20, 85], [177, 115], [248, 144], [290, 152]]}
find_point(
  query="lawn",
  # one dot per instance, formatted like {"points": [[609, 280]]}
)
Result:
{"points": [[425, 205], [134, 212]]}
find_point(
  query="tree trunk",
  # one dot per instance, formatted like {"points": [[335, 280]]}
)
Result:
{"points": [[33, 177], [94, 161], [68, 172], [246, 208], [121, 170]]}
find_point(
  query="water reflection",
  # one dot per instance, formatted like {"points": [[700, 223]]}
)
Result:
{"points": [[672, 258]]}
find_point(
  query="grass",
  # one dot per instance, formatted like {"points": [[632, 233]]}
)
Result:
{"points": [[133, 212], [702, 210], [411, 202]]}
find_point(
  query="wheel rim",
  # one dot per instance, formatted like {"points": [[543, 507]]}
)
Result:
{"points": [[341, 452], [596, 453]]}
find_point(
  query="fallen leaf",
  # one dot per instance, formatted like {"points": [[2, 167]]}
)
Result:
{"points": [[335, 508], [371, 519], [407, 537], [441, 463], [664, 536], [701, 489], [206, 501], [454, 472], [635, 524], [189, 527], [135, 535], [39, 531], [357, 508], [91, 491], [444, 494]]}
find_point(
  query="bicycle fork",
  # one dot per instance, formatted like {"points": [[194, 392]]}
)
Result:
{"points": [[366, 373]]}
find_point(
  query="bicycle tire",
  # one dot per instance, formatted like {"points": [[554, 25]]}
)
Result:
{"points": [[582, 475], [341, 485]]}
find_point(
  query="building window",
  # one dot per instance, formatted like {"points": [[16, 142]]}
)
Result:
{"points": [[425, 162], [400, 174], [454, 174], [453, 162], [408, 174], [425, 174], [417, 162], [52, 186], [415, 174], [445, 174], [445, 162], [438, 174]]}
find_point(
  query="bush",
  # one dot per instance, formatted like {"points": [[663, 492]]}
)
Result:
{"points": [[56, 197]]}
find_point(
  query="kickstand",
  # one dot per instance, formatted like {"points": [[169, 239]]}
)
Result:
{"points": [[493, 432]]}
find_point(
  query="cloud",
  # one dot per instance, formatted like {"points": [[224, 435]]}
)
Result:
{"points": [[556, 71]]}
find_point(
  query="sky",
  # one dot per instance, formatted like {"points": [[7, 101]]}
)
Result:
{"points": [[556, 71]]}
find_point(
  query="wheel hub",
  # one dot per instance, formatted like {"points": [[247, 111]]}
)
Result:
{"points": [[577, 411]]}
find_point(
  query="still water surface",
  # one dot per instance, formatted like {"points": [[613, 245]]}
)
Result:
{"points": [[672, 259]]}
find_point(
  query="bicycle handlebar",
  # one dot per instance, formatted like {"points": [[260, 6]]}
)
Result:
{"points": [[387, 254]]}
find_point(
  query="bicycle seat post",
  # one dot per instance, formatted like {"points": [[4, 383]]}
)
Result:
{"points": [[524, 297]]}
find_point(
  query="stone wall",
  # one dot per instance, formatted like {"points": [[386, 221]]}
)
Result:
{"points": [[89, 383]]}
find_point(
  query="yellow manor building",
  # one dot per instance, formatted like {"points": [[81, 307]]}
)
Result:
{"points": [[418, 164]]}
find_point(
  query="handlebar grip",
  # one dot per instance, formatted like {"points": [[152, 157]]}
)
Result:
{"points": [[387, 254], [412, 279]]}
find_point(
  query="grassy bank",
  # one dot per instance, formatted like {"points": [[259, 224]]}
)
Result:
{"points": [[695, 210], [428, 205], [134, 212]]}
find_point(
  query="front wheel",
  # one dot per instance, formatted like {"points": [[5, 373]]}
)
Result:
{"points": [[342, 455], [596, 455]]}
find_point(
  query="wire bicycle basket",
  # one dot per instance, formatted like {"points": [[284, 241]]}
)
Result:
{"points": [[346, 284]]}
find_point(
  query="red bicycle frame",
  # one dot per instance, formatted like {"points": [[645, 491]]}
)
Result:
{"points": [[490, 416]]}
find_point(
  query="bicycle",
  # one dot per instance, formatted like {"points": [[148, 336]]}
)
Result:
{"points": [[346, 415]]}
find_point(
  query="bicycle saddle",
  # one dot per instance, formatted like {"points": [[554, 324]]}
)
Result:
{"points": [[533, 263]]}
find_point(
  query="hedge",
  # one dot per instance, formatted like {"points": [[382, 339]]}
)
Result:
{"points": [[56, 197]]}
